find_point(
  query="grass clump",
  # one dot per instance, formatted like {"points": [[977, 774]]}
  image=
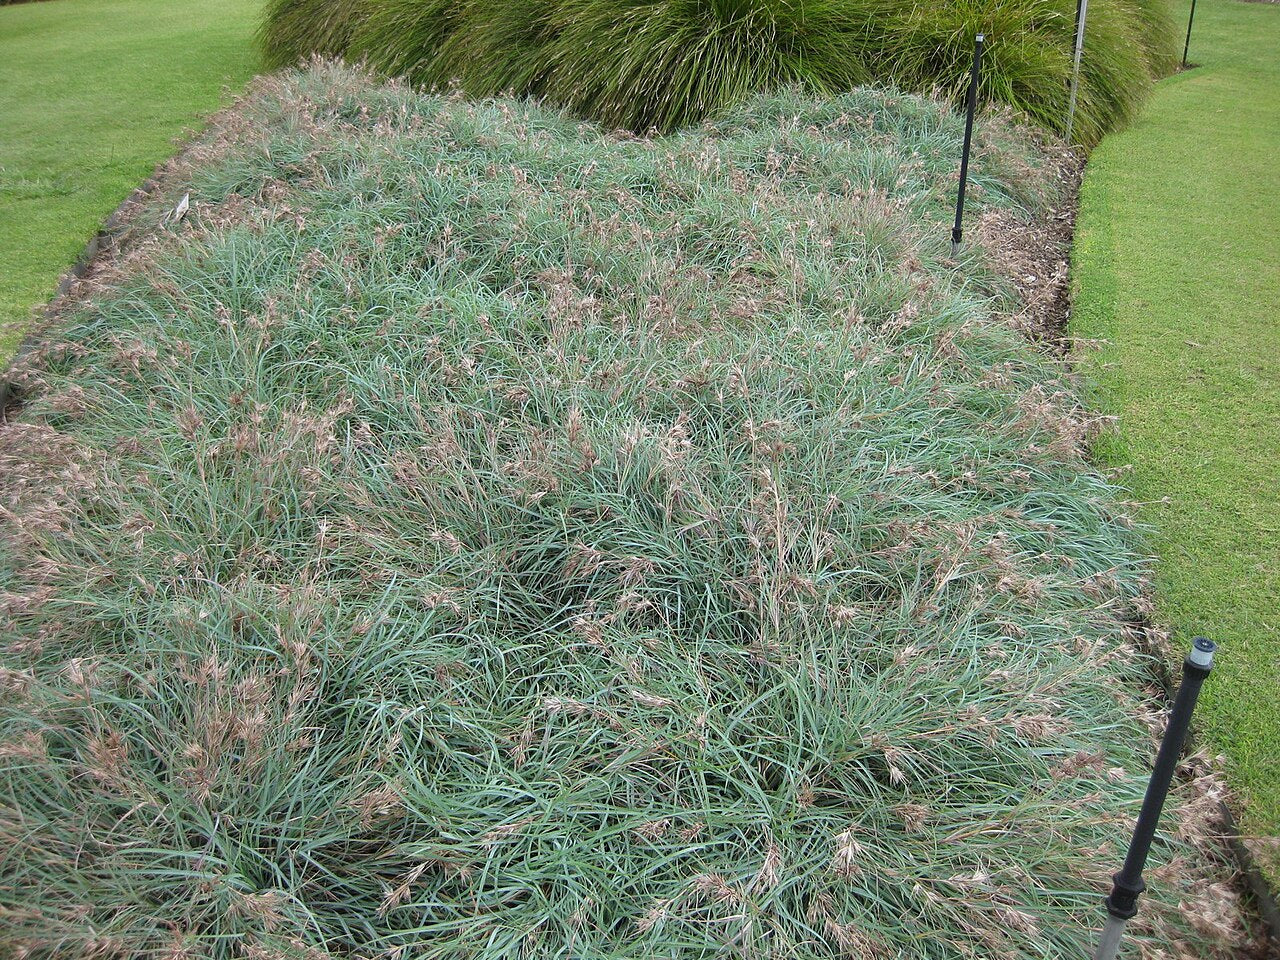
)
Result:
{"points": [[468, 534], [667, 63]]}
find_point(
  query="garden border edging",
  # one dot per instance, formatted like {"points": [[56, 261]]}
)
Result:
{"points": [[1253, 880], [106, 240]]}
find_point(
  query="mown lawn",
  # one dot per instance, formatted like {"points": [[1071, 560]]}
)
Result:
{"points": [[1176, 264], [92, 93]]}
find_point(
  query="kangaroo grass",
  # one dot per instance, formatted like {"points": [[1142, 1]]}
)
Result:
{"points": [[469, 534]]}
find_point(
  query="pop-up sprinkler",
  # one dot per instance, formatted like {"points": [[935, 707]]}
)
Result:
{"points": [[1122, 904]]}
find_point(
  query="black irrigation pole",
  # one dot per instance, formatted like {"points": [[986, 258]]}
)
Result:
{"points": [[1122, 904], [1187, 46], [957, 231]]}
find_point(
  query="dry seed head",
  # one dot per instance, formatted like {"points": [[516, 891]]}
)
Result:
{"points": [[653, 829], [655, 915], [108, 754], [853, 942], [264, 907], [1039, 726], [26, 746], [503, 831], [378, 804], [715, 887], [845, 863], [448, 540], [770, 871], [583, 560], [912, 815], [591, 630], [15, 682], [1016, 919], [651, 700], [1078, 764]]}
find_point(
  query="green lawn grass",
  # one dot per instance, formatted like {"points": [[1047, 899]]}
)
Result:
{"points": [[1178, 266], [92, 94]]}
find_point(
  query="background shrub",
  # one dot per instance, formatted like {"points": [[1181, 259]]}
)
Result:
{"points": [[469, 535], [304, 28], [665, 63]]}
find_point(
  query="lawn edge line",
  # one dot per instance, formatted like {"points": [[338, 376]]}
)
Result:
{"points": [[111, 238], [1096, 259], [1255, 880], [107, 241]]}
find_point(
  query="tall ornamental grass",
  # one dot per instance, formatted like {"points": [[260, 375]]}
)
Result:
{"points": [[641, 64], [467, 534]]}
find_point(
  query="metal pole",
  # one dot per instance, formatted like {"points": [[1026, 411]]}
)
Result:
{"points": [[957, 231], [1122, 904], [1075, 69], [1187, 46]]}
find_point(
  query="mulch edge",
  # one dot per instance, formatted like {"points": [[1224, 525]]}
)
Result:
{"points": [[105, 245], [1250, 876], [1012, 247]]}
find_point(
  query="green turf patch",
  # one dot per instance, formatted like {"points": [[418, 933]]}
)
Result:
{"points": [[470, 534], [92, 93], [1176, 264]]}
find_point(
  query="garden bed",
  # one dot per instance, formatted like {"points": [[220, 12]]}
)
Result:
{"points": [[468, 533]]}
